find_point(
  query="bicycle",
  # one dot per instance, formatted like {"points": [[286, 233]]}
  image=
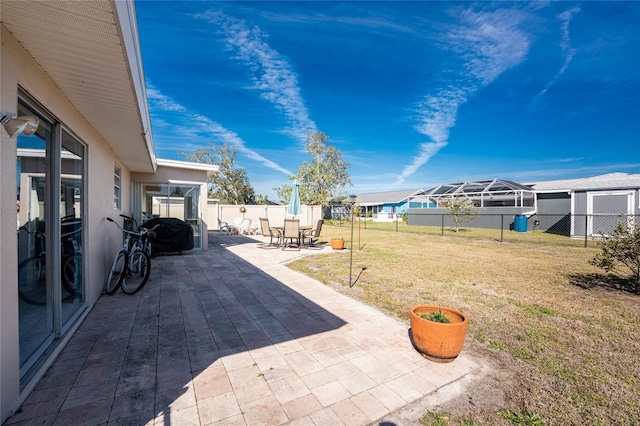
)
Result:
{"points": [[32, 280], [132, 264], [143, 243]]}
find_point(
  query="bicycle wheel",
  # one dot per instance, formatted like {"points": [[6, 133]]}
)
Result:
{"points": [[138, 273], [32, 281], [116, 273], [71, 276]]}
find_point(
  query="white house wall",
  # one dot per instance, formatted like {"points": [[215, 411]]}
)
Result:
{"points": [[19, 69]]}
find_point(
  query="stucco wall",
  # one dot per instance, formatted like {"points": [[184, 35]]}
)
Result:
{"points": [[9, 356], [18, 69]]}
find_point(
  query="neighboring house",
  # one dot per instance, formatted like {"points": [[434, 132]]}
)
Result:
{"points": [[494, 200], [572, 207], [594, 199], [76, 67], [386, 206], [495, 193]]}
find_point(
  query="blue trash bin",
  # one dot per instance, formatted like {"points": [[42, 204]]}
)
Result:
{"points": [[520, 223]]}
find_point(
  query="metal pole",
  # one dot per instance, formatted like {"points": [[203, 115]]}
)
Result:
{"points": [[351, 250], [442, 227], [366, 212], [586, 224], [359, 221], [501, 228]]}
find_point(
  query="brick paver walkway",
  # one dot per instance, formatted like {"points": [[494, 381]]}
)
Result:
{"points": [[232, 336]]}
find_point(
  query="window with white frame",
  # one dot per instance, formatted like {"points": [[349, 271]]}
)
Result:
{"points": [[116, 187]]}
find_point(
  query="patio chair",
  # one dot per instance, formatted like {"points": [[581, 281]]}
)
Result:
{"points": [[313, 234], [254, 228], [245, 227], [235, 228], [268, 231], [291, 232], [223, 227]]}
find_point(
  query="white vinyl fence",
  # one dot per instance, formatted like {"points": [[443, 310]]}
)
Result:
{"points": [[276, 214]]}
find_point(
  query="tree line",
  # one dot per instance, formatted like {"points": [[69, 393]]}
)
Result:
{"points": [[322, 178]]}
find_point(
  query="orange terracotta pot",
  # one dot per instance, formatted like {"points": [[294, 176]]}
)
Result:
{"points": [[439, 342], [337, 243]]}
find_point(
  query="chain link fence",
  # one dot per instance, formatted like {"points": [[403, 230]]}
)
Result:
{"points": [[557, 229]]}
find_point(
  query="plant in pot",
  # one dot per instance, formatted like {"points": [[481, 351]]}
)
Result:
{"points": [[337, 243], [438, 332]]}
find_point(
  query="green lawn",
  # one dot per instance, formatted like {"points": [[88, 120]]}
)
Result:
{"points": [[569, 342], [533, 237]]}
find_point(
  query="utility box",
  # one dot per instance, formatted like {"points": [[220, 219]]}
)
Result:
{"points": [[520, 223]]}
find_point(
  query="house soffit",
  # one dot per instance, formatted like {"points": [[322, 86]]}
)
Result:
{"points": [[87, 53]]}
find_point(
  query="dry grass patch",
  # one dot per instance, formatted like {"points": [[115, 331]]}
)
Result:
{"points": [[572, 349]]}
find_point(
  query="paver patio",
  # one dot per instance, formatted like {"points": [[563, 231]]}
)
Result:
{"points": [[232, 336]]}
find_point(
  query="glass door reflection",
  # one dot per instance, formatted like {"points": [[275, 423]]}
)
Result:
{"points": [[36, 322], [71, 226]]}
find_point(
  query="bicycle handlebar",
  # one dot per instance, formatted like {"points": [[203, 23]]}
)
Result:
{"points": [[143, 232], [140, 226]]}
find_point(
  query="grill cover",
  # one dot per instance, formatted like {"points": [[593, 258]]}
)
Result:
{"points": [[173, 235]]}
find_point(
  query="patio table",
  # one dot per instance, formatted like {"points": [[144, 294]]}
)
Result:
{"points": [[301, 230]]}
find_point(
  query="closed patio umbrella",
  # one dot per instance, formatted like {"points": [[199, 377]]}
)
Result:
{"points": [[294, 208]]}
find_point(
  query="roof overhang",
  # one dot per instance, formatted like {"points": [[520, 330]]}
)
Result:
{"points": [[211, 169], [92, 53], [554, 191]]}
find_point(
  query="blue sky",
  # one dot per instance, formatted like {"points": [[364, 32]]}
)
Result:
{"points": [[413, 93]]}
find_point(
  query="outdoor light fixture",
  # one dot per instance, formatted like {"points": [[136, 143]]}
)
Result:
{"points": [[14, 125]]}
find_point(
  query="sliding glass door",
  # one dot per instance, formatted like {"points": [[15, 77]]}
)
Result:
{"points": [[72, 162], [35, 287], [50, 234]]}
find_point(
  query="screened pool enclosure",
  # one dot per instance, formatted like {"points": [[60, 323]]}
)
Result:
{"points": [[483, 194]]}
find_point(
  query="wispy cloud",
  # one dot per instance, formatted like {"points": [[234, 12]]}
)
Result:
{"points": [[162, 102], [272, 74], [370, 22], [565, 160], [488, 43], [190, 124], [567, 51]]}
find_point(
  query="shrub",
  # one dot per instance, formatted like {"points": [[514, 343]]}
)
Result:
{"points": [[621, 247], [460, 209]]}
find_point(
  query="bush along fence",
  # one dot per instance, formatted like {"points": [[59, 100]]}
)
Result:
{"points": [[570, 229]]}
